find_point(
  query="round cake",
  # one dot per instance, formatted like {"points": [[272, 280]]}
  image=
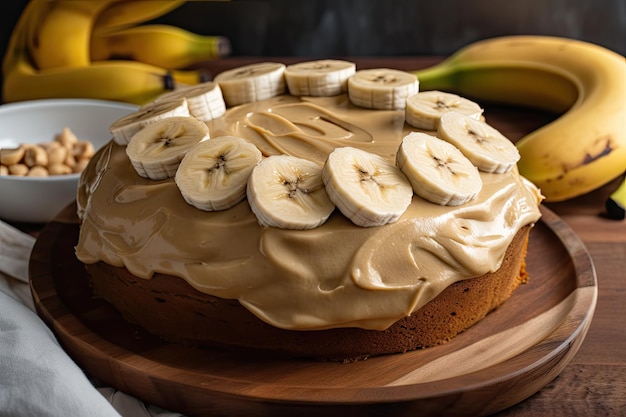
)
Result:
{"points": [[334, 270]]}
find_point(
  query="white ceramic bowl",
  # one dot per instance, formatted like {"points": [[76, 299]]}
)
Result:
{"points": [[38, 200]]}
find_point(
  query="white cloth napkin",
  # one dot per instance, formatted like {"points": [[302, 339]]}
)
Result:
{"points": [[37, 377]]}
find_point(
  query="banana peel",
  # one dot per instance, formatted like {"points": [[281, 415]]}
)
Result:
{"points": [[616, 203]]}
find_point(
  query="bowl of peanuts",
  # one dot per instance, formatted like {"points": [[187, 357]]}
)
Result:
{"points": [[44, 145]]}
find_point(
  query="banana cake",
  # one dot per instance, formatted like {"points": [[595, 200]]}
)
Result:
{"points": [[313, 210]]}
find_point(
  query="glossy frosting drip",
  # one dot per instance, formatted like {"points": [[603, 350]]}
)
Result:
{"points": [[337, 275]]}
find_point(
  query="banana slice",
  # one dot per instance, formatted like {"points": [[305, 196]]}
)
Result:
{"points": [[424, 109], [213, 174], [437, 170], [287, 192], [366, 188], [205, 100], [126, 127], [487, 148], [157, 149], [323, 78], [382, 88], [251, 83]]}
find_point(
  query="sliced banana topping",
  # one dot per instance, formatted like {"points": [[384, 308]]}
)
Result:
{"points": [[213, 175], [365, 187], [205, 100], [324, 78], [382, 88], [124, 128], [251, 83], [287, 192], [437, 170], [424, 109], [157, 149], [485, 146]]}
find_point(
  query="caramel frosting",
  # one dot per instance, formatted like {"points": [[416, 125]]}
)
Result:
{"points": [[336, 275]]}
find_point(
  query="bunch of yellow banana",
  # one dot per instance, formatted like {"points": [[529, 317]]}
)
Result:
{"points": [[99, 49], [584, 83]]}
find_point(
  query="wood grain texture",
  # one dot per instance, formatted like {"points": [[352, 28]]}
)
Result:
{"points": [[505, 358]]}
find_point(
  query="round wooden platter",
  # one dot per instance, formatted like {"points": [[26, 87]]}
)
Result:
{"points": [[505, 358]]}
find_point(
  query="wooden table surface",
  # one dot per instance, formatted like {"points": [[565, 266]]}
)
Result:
{"points": [[594, 382]]}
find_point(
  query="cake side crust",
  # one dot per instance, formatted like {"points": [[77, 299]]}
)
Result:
{"points": [[170, 308]]}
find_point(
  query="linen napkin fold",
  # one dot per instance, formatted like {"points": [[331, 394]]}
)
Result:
{"points": [[37, 377], [15, 249]]}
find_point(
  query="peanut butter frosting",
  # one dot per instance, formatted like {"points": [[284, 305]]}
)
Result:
{"points": [[336, 275]]}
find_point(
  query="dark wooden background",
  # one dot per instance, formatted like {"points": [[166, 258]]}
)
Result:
{"points": [[326, 28], [380, 28]]}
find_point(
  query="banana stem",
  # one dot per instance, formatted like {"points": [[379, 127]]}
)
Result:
{"points": [[437, 77]]}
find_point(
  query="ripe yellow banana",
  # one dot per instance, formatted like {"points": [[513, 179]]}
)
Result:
{"points": [[110, 80], [161, 45], [127, 13], [586, 146], [61, 37], [127, 81]]}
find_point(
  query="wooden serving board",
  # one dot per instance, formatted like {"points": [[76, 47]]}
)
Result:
{"points": [[504, 359]]}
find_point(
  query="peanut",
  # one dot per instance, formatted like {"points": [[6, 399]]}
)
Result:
{"points": [[65, 154], [18, 170], [59, 169], [83, 149], [67, 138], [11, 156], [70, 161], [81, 164], [56, 153], [35, 155], [37, 171]]}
